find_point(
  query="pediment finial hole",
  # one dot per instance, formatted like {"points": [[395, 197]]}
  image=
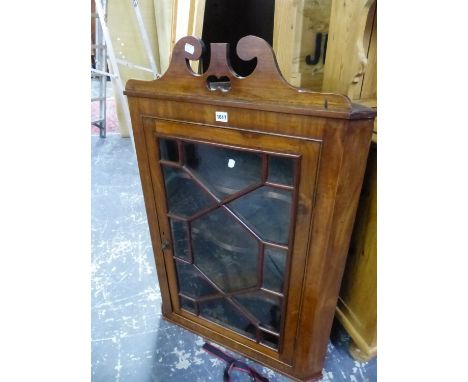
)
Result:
{"points": [[222, 83]]}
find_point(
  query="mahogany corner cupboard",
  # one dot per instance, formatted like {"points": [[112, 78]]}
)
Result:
{"points": [[251, 188]]}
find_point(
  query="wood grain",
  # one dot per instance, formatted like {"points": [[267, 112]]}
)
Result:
{"points": [[357, 305], [329, 134], [315, 18], [163, 15], [260, 87], [286, 29], [369, 81], [352, 69], [348, 45]]}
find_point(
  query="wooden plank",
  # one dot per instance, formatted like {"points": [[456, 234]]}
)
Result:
{"points": [[197, 16], [187, 20], [315, 17], [175, 7], [128, 45], [182, 18], [286, 32], [346, 53], [369, 83], [163, 15], [355, 90]]}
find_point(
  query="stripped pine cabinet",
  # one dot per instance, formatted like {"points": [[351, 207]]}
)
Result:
{"points": [[251, 189]]}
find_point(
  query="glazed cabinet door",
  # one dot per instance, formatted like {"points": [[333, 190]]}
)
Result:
{"points": [[234, 211]]}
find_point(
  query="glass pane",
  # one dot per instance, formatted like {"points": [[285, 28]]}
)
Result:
{"points": [[168, 150], [265, 307], [280, 170], [222, 312], [274, 263], [224, 171], [225, 251], [269, 339], [191, 282], [180, 239], [184, 196], [266, 211], [186, 304]]}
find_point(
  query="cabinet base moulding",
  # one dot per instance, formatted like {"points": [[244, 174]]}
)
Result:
{"points": [[211, 336]]}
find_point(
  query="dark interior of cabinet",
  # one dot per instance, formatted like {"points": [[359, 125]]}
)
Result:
{"points": [[230, 20], [230, 212]]}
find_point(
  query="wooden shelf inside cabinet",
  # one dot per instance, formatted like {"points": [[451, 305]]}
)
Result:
{"points": [[251, 189]]}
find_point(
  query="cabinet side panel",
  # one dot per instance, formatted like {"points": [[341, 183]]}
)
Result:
{"points": [[357, 306], [343, 165]]}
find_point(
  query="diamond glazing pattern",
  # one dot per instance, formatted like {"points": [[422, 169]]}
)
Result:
{"points": [[230, 215]]}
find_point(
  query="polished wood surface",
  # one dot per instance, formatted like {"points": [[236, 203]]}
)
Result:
{"points": [[351, 69], [259, 90], [357, 305], [329, 134]]}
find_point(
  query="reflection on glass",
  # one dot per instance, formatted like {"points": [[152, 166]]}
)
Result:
{"points": [[188, 305], [180, 239], [225, 251], [269, 339], [265, 307], [184, 196], [168, 150], [222, 312], [280, 170], [273, 268], [191, 282], [224, 171], [266, 210]]}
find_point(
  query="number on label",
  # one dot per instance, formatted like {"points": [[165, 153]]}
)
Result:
{"points": [[221, 116]]}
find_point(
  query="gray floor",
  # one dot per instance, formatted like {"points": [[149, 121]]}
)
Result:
{"points": [[130, 340]]}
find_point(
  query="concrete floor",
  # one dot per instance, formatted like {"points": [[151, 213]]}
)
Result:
{"points": [[130, 340]]}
